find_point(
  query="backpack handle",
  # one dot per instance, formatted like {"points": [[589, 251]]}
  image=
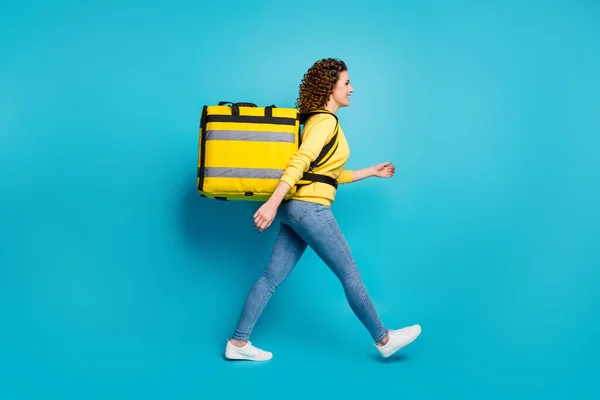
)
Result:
{"points": [[235, 107], [240, 104]]}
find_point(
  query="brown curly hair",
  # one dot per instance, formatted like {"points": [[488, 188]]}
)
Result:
{"points": [[318, 83]]}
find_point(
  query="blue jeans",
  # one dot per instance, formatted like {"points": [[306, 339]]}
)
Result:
{"points": [[305, 223]]}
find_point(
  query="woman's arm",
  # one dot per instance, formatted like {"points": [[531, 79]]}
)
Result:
{"points": [[266, 213], [383, 170]]}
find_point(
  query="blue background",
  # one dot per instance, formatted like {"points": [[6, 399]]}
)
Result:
{"points": [[118, 280]]}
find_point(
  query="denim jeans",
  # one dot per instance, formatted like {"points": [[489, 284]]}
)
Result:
{"points": [[306, 223]]}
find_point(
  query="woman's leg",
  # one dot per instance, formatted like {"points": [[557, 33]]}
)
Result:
{"points": [[287, 251], [316, 224]]}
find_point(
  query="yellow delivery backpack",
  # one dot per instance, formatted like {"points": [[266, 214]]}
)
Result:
{"points": [[243, 150]]}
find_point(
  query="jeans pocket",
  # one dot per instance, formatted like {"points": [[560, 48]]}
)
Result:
{"points": [[324, 213], [297, 210]]}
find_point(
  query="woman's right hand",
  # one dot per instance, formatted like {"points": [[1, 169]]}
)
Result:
{"points": [[384, 170]]}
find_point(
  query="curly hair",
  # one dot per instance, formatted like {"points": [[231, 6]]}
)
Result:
{"points": [[318, 83]]}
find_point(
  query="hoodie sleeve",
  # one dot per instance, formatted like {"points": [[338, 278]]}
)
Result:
{"points": [[314, 138]]}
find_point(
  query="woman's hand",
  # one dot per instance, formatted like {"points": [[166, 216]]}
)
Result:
{"points": [[265, 215], [384, 170]]}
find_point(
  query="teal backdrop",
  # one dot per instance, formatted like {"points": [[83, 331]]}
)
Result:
{"points": [[118, 281]]}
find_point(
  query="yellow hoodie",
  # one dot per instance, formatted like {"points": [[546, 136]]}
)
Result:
{"points": [[317, 131]]}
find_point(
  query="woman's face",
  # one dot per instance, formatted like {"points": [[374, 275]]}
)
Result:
{"points": [[342, 90]]}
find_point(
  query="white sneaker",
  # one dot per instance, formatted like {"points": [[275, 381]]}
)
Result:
{"points": [[399, 338], [248, 352]]}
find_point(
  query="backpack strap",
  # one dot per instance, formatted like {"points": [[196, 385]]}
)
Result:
{"points": [[326, 153], [312, 177]]}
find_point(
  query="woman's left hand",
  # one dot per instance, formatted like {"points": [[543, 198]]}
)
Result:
{"points": [[384, 170], [265, 216]]}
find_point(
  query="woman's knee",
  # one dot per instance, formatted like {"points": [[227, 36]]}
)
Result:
{"points": [[271, 280], [351, 276]]}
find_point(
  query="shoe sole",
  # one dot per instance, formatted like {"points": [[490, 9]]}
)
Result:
{"points": [[237, 357]]}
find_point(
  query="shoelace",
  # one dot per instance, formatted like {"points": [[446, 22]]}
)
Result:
{"points": [[401, 332], [256, 349]]}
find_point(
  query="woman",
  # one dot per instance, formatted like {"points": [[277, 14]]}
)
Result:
{"points": [[307, 220]]}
